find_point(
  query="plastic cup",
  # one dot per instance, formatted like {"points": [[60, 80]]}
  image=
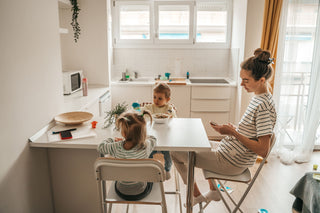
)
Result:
{"points": [[315, 167]]}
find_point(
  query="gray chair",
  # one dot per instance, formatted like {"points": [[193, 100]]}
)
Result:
{"points": [[245, 178]]}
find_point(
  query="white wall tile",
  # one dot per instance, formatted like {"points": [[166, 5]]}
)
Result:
{"points": [[151, 62]]}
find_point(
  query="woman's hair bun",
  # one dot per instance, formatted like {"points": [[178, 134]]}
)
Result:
{"points": [[262, 55]]}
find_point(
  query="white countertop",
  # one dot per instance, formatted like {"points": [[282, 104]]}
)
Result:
{"points": [[150, 81], [180, 134], [77, 101]]}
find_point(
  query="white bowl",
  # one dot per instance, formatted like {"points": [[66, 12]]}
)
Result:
{"points": [[160, 118]]}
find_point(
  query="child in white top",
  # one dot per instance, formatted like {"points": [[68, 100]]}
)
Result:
{"points": [[135, 145], [161, 98]]}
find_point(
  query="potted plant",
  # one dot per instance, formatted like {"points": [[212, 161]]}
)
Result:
{"points": [[113, 114], [75, 25]]}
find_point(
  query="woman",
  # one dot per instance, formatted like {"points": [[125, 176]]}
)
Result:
{"points": [[239, 149]]}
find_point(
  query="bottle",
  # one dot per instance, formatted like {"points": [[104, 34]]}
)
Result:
{"points": [[188, 75], [85, 87], [127, 75]]}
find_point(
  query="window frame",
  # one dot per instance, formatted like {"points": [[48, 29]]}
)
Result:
{"points": [[154, 41], [117, 41], [226, 44], [191, 22]]}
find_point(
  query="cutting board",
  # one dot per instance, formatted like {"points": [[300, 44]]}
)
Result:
{"points": [[175, 81]]}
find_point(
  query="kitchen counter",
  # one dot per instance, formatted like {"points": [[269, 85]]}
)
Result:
{"points": [[74, 102], [70, 162], [41, 138], [78, 102], [174, 81]]}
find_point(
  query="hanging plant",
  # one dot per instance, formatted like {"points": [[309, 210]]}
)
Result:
{"points": [[75, 25]]}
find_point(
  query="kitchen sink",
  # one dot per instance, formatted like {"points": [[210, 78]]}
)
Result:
{"points": [[140, 79], [208, 81], [143, 79]]}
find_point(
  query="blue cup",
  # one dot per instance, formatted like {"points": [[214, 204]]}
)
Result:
{"points": [[167, 74]]}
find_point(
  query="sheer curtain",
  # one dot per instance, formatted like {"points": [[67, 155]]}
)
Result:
{"points": [[297, 80]]}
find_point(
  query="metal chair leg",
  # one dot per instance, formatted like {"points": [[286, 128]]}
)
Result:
{"points": [[177, 182]]}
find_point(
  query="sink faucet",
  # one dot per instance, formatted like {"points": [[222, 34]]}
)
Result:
{"points": [[135, 74]]}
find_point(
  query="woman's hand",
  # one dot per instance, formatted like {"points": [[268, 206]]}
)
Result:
{"points": [[228, 129]]}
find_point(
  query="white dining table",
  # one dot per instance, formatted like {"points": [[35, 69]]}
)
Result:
{"points": [[178, 134], [182, 134]]}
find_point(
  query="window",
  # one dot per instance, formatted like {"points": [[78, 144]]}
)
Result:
{"points": [[158, 22], [296, 70], [173, 21], [212, 22], [132, 22]]}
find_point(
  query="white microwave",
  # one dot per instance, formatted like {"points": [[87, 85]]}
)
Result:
{"points": [[72, 81]]}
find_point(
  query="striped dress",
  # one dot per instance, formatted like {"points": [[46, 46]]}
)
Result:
{"points": [[258, 120], [115, 149]]}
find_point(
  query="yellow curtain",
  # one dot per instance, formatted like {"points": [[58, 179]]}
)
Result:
{"points": [[270, 30]]}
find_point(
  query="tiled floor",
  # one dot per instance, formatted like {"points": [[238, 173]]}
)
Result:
{"points": [[270, 191]]}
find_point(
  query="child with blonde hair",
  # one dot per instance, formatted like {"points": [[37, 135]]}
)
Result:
{"points": [[161, 98], [135, 144]]}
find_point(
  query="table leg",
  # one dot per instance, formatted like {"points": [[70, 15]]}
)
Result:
{"points": [[190, 180]]}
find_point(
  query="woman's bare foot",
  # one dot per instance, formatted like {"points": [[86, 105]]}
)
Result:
{"points": [[212, 195], [198, 199]]}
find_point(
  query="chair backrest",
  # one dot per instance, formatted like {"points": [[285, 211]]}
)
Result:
{"points": [[272, 142], [144, 170]]}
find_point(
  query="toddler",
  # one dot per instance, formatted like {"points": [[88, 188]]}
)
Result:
{"points": [[135, 144], [161, 98]]}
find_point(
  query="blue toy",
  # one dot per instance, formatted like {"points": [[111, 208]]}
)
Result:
{"points": [[136, 106], [227, 188]]}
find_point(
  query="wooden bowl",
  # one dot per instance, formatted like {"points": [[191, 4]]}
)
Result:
{"points": [[72, 118]]}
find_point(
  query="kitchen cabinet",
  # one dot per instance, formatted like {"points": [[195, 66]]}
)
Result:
{"points": [[129, 93], [180, 97], [213, 103], [104, 104]]}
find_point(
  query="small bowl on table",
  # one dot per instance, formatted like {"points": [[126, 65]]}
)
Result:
{"points": [[160, 118]]}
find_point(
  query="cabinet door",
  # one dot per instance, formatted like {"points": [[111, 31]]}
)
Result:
{"points": [[211, 92], [180, 97], [131, 93], [104, 104], [207, 105]]}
